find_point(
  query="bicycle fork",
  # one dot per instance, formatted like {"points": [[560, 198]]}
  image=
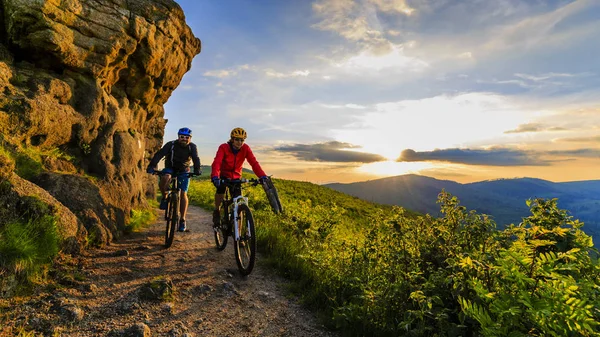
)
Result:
{"points": [[236, 202]]}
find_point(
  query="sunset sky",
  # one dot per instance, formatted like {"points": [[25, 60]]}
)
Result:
{"points": [[342, 90]]}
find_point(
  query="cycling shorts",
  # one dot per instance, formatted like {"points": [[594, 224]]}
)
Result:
{"points": [[183, 181], [235, 191]]}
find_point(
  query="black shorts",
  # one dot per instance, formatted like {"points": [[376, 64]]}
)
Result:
{"points": [[235, 190]]}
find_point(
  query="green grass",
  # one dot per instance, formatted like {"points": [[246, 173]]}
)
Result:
{"points": [[140, 219], [28, 160], [28, 248], [369, 269]]}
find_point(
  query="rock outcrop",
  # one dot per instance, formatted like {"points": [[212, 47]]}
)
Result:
{"points": [[82, 84]]}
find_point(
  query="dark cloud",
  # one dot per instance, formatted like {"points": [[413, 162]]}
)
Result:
{"points": [[587, 153], [496, 156], [534, 127], [330, 152], [492, 157]]}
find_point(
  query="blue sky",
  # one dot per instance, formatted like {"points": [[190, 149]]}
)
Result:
{"points": [[342, 90]]}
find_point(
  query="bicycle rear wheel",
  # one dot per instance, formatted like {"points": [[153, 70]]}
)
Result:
{"points": [[220, 229], [245, 246], [172, 219]]}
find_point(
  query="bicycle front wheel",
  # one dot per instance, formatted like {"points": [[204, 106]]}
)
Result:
{"points": [[245, 246], [172, 219], [220, 229]]}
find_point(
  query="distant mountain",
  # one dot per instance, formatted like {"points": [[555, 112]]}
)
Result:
{"points": [[503, 199]]}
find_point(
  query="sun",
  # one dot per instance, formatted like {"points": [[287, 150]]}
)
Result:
{"points": [[392, 168]]}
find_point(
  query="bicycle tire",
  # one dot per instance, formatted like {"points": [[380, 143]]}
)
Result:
{"points": [[275, 202], [168, 206], [220, 229], [272, 196], [245, 246], [172, 222]]}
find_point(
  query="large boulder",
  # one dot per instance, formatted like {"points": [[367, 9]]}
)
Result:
{"points": [[90, 78]]}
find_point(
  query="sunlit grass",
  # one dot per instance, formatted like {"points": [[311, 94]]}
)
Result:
{"points": [[28, 159], [372, 270], [140, 219], [27, 248]]}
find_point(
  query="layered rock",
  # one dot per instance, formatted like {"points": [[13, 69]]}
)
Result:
{"points": [[90, 78]]}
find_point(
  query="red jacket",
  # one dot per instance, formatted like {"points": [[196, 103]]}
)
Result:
{"points": [[229, 165]]}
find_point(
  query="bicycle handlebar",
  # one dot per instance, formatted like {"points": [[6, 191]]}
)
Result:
{"points": [[182, 174], [253, 181]]}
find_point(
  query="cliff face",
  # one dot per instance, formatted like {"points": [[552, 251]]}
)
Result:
{"points": [[90, 78]]}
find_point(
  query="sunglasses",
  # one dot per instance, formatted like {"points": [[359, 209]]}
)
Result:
{"points": [[184, 137], [238, 139]]}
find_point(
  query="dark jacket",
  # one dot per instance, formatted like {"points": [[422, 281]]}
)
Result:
{"points": [[177, 157]]}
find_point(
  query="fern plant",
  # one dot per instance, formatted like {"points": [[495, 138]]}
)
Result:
{"points": [[544, 281]]}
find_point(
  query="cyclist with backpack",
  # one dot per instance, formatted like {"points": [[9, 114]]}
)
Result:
{"points": [[228, 164], [179, 155]]}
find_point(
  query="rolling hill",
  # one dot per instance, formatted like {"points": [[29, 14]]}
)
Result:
{"points": [[503, 199]]}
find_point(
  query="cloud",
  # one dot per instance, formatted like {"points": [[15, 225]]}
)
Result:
{"points": [[489, 157], [340, 16], [585, 153], [229, 72], [393, 58], [348, 106], [547, 76], [398, 6], [220, 73], [534, 127], [360, 21], [552, 28], [295, 73], [269, 72], [520, 83], [545, 80], [463, 120], [329, 152], [591, 139], [498, 156]]}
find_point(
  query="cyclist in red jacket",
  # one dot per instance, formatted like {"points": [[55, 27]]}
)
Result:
{"points": [[228, 164]]}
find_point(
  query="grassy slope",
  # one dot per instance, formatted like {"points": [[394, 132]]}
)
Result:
{"points": [[371, 269]]}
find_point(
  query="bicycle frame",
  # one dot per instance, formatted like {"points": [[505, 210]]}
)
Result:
{"points": [[238, 201]]}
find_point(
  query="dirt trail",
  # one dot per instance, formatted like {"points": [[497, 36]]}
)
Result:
{"points": [[211, 298]]}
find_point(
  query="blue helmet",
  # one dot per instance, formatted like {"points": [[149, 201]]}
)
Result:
{"points": [[184, 132]]}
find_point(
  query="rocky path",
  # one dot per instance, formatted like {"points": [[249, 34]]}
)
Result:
{"points": [[210, 297]]}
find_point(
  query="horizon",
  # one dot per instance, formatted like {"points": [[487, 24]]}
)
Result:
{"points": [[347, 91], [478, 181]]}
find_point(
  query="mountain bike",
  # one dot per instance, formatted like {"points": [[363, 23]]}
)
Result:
{"points": [[235, 219], [173, 201]]}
